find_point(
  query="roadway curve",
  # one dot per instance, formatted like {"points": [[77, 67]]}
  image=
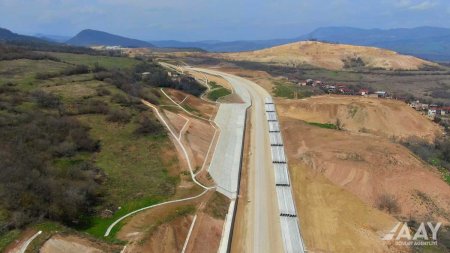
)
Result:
{"points": [[263, 233]]}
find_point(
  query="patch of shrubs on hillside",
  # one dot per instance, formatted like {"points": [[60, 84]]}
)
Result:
{"points": [[8, 52], [41, 174], [440, 93], [354, 63], [45, 99], [436, 154], [32, 184], [132, 82], [69, 71], [119, 116], [149, 126]]}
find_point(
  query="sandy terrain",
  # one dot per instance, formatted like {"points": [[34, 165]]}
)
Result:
{"points": [[329, 56], [148, 231], [369, 167], [206, 234], [75, 244], [382, 117], [167, 238], [334, 220], [199, 135]]}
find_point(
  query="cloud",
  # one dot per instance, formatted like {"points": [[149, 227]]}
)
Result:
{"points": [[426, 5], [416, 5]]}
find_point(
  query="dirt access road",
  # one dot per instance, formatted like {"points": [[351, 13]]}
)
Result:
{"points": [[263, 233]]}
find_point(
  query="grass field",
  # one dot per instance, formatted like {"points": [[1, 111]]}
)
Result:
{"points": [[90, 60], [218, 93], [287, 89], [323, 125]]}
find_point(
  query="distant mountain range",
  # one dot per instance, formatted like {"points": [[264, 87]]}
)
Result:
{"points": [[7, 36], [90, 37], [431, 43], [425, 42]]}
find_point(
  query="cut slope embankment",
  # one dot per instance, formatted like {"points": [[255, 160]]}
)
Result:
{"points": [[381, 117]]}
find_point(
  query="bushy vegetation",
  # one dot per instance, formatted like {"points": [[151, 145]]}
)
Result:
{"points": [[62, 159], [148, 126], [9, 52], [119, 116], [436, 154], [388, 203], [34, 182], [354, 63], [132, 82]]}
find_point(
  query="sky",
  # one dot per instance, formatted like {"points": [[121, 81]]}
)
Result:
{"points": [[193, 20]]}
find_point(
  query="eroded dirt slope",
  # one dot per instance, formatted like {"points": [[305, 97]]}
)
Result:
{"points": [[382, 117]]}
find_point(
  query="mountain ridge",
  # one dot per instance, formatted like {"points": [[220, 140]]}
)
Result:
{"points": [[90, 37]]}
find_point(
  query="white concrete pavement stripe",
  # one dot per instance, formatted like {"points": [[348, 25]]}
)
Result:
{"points": [[210, 122], [293, 241], [179, 143], [108, 231], [28, 242], [189, 234]]}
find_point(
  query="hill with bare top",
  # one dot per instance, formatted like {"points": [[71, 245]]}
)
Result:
{"points": [[331, 56]]}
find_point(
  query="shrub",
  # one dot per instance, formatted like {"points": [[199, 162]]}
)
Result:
{"points": [[148, 126], [32, 184], [119, 116], [388, 202], [101, 91], [46, 100], [93, 106]]}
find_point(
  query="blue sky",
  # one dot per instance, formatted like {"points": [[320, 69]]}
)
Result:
{"points": [[191, 20]]}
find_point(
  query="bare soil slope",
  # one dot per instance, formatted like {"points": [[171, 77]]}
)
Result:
{"points": [[382, 117], [75, 244], [330, 56]]}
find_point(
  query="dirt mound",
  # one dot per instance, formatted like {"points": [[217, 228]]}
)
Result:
{"points": [[330, 56], [74, 244], [370, 167], [382, 117]]}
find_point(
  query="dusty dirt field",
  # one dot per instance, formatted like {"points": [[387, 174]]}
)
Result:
{"points": [[382, 117], [334, 220], [329, 56], [167, 238], [135, 231], [370, 167], [145, 233], [198, 136], [75, 244], [206, 234]]}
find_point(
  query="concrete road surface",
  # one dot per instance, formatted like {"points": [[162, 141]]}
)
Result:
{"points": [[263, 233]]}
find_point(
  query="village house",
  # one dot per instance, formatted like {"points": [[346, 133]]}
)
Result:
{"points": [[381, 94], [418, 106], [363, 92], [438, 111], [346, 91]]}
